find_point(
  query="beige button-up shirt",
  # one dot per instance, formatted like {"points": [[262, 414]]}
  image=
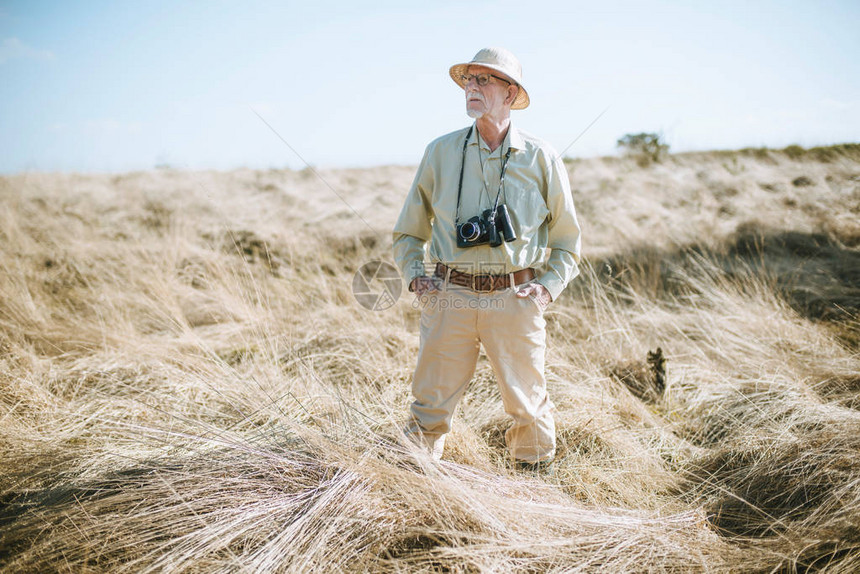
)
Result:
{"points": [[535, 189]]}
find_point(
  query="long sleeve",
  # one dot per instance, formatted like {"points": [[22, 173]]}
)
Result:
{"points": [[413, 228], [564, 232]]}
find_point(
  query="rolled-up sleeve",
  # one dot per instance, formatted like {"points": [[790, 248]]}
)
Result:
{"points": [[414, 226], [564, 232]]}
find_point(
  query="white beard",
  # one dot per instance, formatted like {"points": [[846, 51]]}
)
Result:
{"points": [[475, 114]]}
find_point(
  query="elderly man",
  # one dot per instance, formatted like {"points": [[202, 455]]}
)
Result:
{"points": [[494, 203]]}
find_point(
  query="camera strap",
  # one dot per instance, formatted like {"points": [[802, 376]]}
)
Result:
{"points": [[501, 181], [462, 167]]}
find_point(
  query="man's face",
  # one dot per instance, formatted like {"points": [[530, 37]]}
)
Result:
{"points": [[485, 100]]}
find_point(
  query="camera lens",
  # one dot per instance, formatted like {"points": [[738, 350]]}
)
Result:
{"points": [[469, 231]]}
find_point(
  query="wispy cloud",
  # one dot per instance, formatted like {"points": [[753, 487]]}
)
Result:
{"points": [[13, 48]]}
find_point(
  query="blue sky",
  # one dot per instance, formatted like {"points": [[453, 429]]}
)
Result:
{"points": [[115, 86]]}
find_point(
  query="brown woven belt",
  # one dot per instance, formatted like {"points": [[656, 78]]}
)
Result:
{"points": [[484, 282]]}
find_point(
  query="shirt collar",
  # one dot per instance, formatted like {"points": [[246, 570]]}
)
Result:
{"points": [[513, 138]]}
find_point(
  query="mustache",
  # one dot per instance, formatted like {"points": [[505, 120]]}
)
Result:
{"points": [[474, 95]]}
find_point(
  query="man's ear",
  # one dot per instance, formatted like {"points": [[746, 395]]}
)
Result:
{"points": [[512, 95]]}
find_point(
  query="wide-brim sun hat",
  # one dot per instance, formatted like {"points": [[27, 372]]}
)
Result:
{"points": [[501, 61]]}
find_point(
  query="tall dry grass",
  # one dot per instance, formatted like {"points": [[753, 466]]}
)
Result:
{"points": [[188, 385]]}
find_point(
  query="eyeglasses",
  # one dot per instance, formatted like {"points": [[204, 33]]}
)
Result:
{"points": [[481, 79]]}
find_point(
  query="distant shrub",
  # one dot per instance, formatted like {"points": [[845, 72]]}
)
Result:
{"points": [[849, 150], [827, 154], [824, 154], [759, 153], [794, 152], [645, 147], [802, 181]]}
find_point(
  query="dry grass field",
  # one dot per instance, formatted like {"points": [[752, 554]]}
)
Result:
{"points": [[187, 383]]}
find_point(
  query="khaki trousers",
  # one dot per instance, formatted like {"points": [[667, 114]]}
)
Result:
{"points": [[454, 322]]}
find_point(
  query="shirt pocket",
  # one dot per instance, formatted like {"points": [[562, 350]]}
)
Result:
{"points": [[526, 206]]}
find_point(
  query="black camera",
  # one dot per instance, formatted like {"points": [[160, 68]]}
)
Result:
{"points": [[490, 227]]}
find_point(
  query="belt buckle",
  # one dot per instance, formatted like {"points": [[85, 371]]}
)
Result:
{"points": [[489, 278]]}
